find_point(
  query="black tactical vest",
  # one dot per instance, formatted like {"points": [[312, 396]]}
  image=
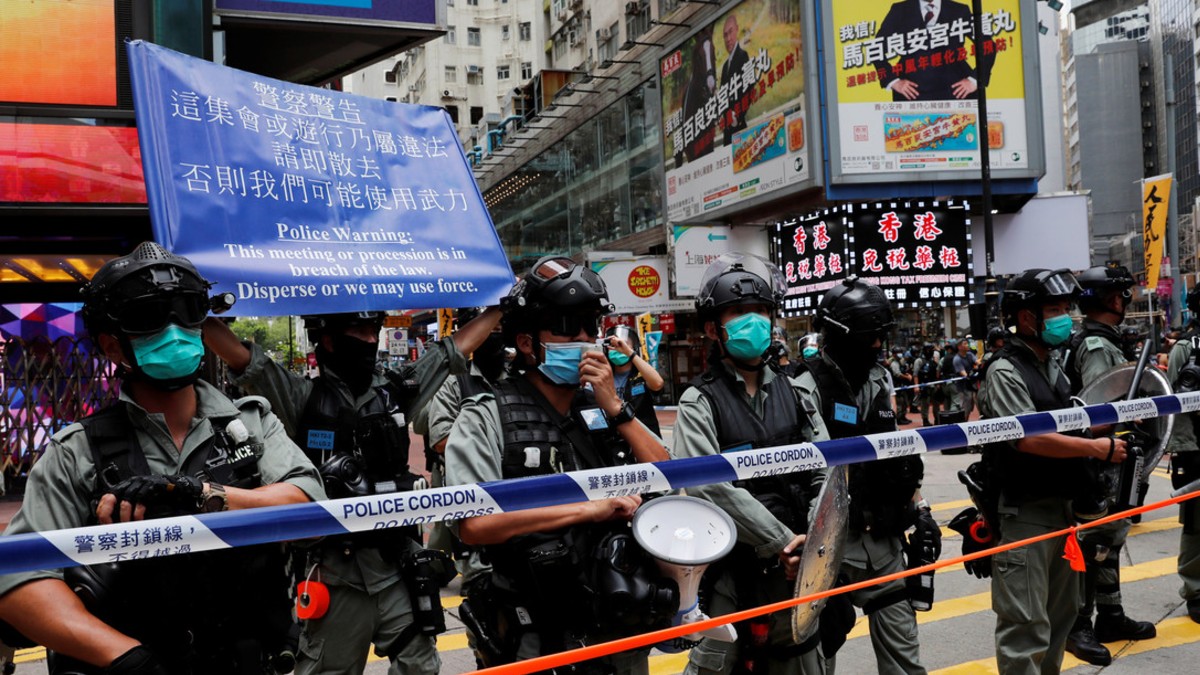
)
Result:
{"points": [[881, 491], [375, 436], [235, 611], [1023, 476], [784, 422], [638, 396]]}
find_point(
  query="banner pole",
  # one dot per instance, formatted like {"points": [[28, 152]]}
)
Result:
{"points": [[990, 293]]}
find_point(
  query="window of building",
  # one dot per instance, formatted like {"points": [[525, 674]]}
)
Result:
{"points": [[449, 35], [476, 114], [526, 70], [637, 22], [390, 76], [473, 37], [525, 30], [453, 110], [474, 75], [606, 41], [451, 74], [502, 72], [473, 3], [557, 6], [505, 32]]}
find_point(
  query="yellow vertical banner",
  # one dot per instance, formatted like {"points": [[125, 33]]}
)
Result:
{"points": [[445, 322], [645, 324], [1156, 197]]}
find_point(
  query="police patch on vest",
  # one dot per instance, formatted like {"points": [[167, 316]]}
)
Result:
{"points": [[638, 389], [320, 439], [845, 413], [1094, 342]]}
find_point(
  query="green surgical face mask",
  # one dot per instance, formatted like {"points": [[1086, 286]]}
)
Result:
{"points": [[1056, 330], [617, 358]]}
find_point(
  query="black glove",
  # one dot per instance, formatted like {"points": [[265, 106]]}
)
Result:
{"points": [[136, 661], [980, 567], [925, 542], [174, 494]]}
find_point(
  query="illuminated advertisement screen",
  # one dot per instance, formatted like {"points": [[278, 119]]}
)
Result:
{"points": [[76, 163], [58, 52]]}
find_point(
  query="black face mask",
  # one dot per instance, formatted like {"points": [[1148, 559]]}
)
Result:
{"points": [[352, 359], [854, 358], [489, 358]]}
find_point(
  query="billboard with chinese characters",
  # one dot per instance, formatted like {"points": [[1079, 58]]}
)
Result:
{"points": [[903, 92], [302, 200], [918, 253], [738, 115], [638, 284], [696, 246], [812, 253]]}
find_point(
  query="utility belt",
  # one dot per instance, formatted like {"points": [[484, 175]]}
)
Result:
{"points": [[424, 572], [574, 587], [233, 614]]}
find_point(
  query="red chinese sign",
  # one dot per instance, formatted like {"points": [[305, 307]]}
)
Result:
{"points": [[919, 256]]}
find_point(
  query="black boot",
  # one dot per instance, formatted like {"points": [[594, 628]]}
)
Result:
{"points": [[1193, 607], [1116, 627], [1083, 644]]}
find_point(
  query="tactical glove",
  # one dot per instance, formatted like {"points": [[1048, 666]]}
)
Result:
{"points": [[136, 661], [925, 542], [177, 494], [980, 567]]}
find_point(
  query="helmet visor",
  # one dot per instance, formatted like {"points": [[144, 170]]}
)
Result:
{"points": [[756, 265], [571, 324], [552, 268], [152, 313], [1059, 283]]}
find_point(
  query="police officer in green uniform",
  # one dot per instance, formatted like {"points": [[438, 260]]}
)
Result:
{"points": [[1185, 458], [1035, 594], [929, 396], [1094, 350], [739, 403], [554, 568], [171, 445], [853, 396], [352, 421]]}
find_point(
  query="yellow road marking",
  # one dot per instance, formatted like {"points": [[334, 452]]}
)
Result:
{"points": [[1144, 527], [1171, 633], [981, 602]]}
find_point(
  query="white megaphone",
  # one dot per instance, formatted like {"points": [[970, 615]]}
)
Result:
{"points": [[685, 535]]}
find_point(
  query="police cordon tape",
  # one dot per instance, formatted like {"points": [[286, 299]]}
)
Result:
{"points": [[542, 663], [190, 534]]}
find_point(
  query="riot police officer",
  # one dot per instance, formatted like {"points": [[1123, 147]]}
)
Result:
{"points": [[854, 399], [929, 395], [171, 445], [738, 403], [1184, 374], [1094, 350], [352, 422], [1034, 592], [554, 569]]}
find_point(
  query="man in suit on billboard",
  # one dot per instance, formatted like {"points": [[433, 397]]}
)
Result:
{"points": [[931, 73], [735, 119]]}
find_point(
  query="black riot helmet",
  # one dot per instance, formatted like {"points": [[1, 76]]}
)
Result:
{"points": [[996, 333], [1102, 280], [1035, 288], [739, 279], [558, 295], [141, 293], [855, 308], [317, 325]]}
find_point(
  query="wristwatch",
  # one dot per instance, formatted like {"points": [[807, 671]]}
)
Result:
{"points": [[213, 499], [625, 415]]}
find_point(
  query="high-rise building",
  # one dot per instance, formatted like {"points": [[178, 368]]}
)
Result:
{"points": [[1112, 102]]}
